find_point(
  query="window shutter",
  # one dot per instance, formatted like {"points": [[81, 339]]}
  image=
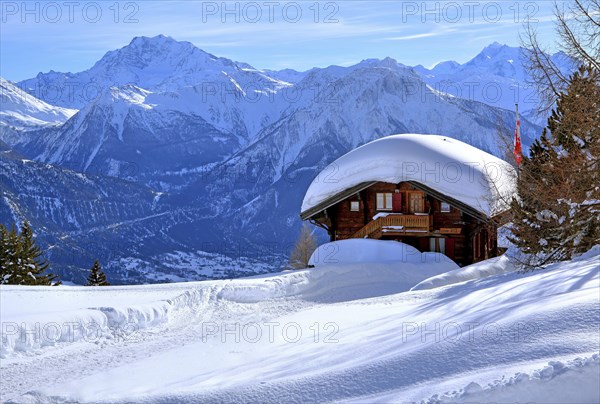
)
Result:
{"points": [[397, 202]]}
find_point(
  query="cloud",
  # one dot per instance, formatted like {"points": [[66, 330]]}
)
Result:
{"points": [[415, 36]]}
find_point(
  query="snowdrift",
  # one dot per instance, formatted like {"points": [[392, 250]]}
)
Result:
{"points": [[353, 251], [568, 381], [358, 268], [479, 270], [37, 317], [557, 382]]}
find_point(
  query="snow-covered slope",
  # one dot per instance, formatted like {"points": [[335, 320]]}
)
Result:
{"points": [[126, 132], [337, 333], [493, 266], [286, 75], [21, 112]]}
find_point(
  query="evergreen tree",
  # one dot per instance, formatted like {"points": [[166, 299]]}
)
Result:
{"points": [[97, 277], [305, 246], [21, 261], [7, 252], [557, 214], [32, 261]]}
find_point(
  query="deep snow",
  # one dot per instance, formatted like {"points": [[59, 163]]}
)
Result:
{"points": [[339, 332]]}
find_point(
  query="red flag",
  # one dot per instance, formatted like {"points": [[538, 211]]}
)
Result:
{"points": [[518, 151]]}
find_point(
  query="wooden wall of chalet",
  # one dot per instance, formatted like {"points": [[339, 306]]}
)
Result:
{"points": [[476, 240]]}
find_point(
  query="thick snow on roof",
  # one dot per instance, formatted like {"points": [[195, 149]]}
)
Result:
{"points": [[449, 166]]}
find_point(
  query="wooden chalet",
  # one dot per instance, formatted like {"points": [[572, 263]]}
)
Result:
{"points": [[411, 211]]}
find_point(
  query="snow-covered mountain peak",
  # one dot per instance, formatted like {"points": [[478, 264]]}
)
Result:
{"points": [[148, 49], [21, 110], [498, 59], [446, 67], [365, 71], [157, 63], [495, 45], [160, 57], [160, 39], [388, 63]]}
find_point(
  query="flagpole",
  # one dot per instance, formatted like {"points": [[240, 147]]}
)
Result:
{"points": [[517, 147]]}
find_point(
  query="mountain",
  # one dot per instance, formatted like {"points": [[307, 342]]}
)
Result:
{"points": [[232, 96], [20, 109], [210, 158], [496, 76], [21, 112], [126, 131], [152, 63], [62, 205]]}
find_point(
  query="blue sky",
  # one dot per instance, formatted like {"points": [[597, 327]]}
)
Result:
{"points": [[72, 36]]}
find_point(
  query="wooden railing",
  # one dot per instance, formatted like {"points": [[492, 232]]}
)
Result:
{"points": [[408, 223]]}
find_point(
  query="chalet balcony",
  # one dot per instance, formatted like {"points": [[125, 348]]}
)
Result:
{"points": [[394, 224]]}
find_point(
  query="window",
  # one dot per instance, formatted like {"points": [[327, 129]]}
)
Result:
{"points": [[354, 206], [415, 202], [384, 201], [437, 245], [444, 207]]}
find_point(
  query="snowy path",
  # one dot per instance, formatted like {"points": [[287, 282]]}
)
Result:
{"points": [[182, 328], [83, 360], [364, 338]]}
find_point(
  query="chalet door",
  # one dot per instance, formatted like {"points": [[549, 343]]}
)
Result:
{"points": [[397, 202], [450, 247], [437, 245]]}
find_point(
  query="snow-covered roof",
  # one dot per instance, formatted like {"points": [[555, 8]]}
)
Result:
{"points": [[448, 166]]}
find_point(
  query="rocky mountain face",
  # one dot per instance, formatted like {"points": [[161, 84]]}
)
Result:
{"points": [[183, 165], [121, 134]]}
